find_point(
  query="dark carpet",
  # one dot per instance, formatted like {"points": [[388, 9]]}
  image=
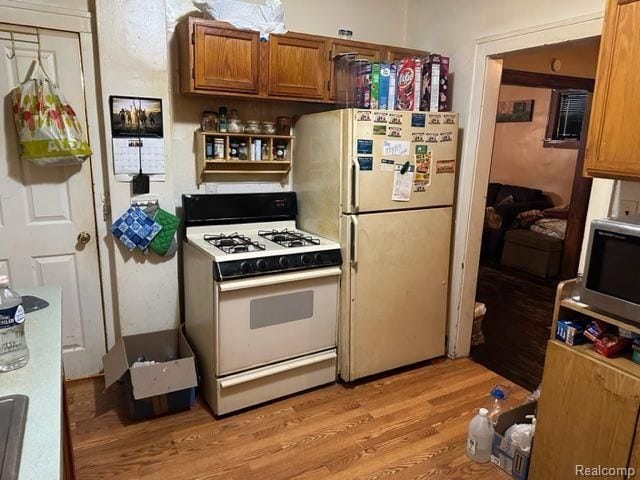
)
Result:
{"points": [[517, 324]]}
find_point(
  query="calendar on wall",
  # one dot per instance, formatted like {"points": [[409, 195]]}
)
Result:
{"points": [[138, 143]]}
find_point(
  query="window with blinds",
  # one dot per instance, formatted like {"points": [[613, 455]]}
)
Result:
{"points": [[568, 113]]}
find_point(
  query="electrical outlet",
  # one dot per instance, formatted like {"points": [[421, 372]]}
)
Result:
{"points": [[210, 188], [628, 207]]}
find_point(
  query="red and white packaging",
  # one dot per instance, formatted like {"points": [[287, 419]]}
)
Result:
{"points": [[406, 84]]}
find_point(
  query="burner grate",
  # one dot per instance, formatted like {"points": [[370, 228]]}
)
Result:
{"points": [[234, 243], [288, 238]]}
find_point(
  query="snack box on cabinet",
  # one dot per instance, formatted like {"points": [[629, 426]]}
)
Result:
{"points": [[570, 332], [610, 344]]}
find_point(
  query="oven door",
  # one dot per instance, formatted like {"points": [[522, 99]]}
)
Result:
{"points": [[267, 319]]}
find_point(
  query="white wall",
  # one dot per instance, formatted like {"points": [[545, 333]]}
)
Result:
{"points": [[452, 27]]}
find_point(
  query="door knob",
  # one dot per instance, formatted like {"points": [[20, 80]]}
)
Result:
{"points": [[84, 238]]}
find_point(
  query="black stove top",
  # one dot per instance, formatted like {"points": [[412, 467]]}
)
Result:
{"points": [[234, 243], [288, 238]]}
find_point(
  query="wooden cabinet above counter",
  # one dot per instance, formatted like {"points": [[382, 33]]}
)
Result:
{"points": [[218, 59], [613, 143]]}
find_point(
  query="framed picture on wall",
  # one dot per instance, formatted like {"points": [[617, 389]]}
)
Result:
{"points": [[136, 117], [515, 111]]}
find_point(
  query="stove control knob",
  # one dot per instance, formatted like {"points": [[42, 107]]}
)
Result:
{"points": [[284, 262], [319, 258], [245, 267], [261, 264], [305, 259]]}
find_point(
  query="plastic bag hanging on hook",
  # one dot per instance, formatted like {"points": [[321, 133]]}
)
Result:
{"points": [[48, 128]]}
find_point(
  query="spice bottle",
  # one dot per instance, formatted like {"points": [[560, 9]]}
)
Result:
{"points": [[222, 120]]}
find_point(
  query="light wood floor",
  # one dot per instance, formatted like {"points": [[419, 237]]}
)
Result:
{"points": [[409, 425]]}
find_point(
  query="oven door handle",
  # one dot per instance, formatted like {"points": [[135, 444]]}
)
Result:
{"points": [[277, 279], [269, 371]]}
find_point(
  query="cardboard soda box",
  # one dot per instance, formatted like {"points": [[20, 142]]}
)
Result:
{"points": [[366, 85], [406, 84]]}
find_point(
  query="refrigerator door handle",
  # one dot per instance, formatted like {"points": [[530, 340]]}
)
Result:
{"points": [[354, 240], [355, 185]]}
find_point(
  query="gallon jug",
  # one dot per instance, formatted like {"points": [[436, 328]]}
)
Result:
{"points": [[13, 346], [499, 402], [480, 437]]}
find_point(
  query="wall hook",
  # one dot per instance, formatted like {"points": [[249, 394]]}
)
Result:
{"points": [[13, 47]]}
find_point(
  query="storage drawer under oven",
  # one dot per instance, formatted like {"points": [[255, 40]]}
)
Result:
{"points": [[268, 319]]}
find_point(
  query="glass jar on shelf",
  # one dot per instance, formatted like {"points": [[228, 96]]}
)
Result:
{"points": [[234, 149], [218, 148], [268, 128], [283, 126], [234, 124], [209, 121], [280, 150], [243, 151], [252, 127]]}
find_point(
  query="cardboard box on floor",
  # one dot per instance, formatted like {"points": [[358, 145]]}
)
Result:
{"points": [[508, 457], [164, 387]]}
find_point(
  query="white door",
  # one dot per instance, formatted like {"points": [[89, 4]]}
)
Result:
{"points": [[44, 209], [397, 284]]}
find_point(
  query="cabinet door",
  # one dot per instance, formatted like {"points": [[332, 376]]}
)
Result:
{"points": [[298, 66], [226, 60], [614, 137], [339, 65], [398, 53], [586, 415]]}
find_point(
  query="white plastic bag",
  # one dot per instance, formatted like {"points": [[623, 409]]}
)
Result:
{"points": [[49, 131], [266, 17]]}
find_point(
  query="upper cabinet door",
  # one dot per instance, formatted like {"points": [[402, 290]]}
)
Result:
{"points": [[340, 63], [614, 138], [298, 66], [226, 60], [398, 53]]}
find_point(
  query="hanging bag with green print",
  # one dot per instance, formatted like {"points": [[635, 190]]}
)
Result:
{"points": [[49, 130]]}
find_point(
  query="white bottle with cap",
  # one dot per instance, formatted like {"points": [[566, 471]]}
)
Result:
{"points": [[480, 437], [13, 345]]}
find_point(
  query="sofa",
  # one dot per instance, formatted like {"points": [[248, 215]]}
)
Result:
{"points": [[504, 203]]}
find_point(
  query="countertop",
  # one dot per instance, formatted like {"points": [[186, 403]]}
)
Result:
{"points": [[41, 381]]}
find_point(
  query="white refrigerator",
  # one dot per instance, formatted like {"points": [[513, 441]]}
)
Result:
{"points": [[382, 184]]}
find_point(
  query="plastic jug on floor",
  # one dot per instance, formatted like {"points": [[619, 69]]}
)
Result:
{"points": [[480, 437]]}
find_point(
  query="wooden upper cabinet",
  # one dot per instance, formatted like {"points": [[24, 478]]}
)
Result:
{"points": [[339, 67], [613, 143], [226, 59], [398, 53], [298, 66]]}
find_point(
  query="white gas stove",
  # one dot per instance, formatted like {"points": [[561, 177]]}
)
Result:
{"points": [[261, 298], [252, 249]]}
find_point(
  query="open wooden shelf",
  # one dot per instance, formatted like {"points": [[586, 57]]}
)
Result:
{"points": [[621, 361], [566, 308], [233, 166]]}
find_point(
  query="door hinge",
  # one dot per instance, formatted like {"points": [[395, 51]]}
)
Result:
{"points": [[193, 72], [193, 37], [329, 85], [106, 208]]}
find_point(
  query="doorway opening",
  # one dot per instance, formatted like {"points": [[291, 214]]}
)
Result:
{"points": [[536, 203]]}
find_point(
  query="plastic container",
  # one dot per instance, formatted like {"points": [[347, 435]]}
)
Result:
{"points": [[14, 353], [480, 437], [499, 402]]}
